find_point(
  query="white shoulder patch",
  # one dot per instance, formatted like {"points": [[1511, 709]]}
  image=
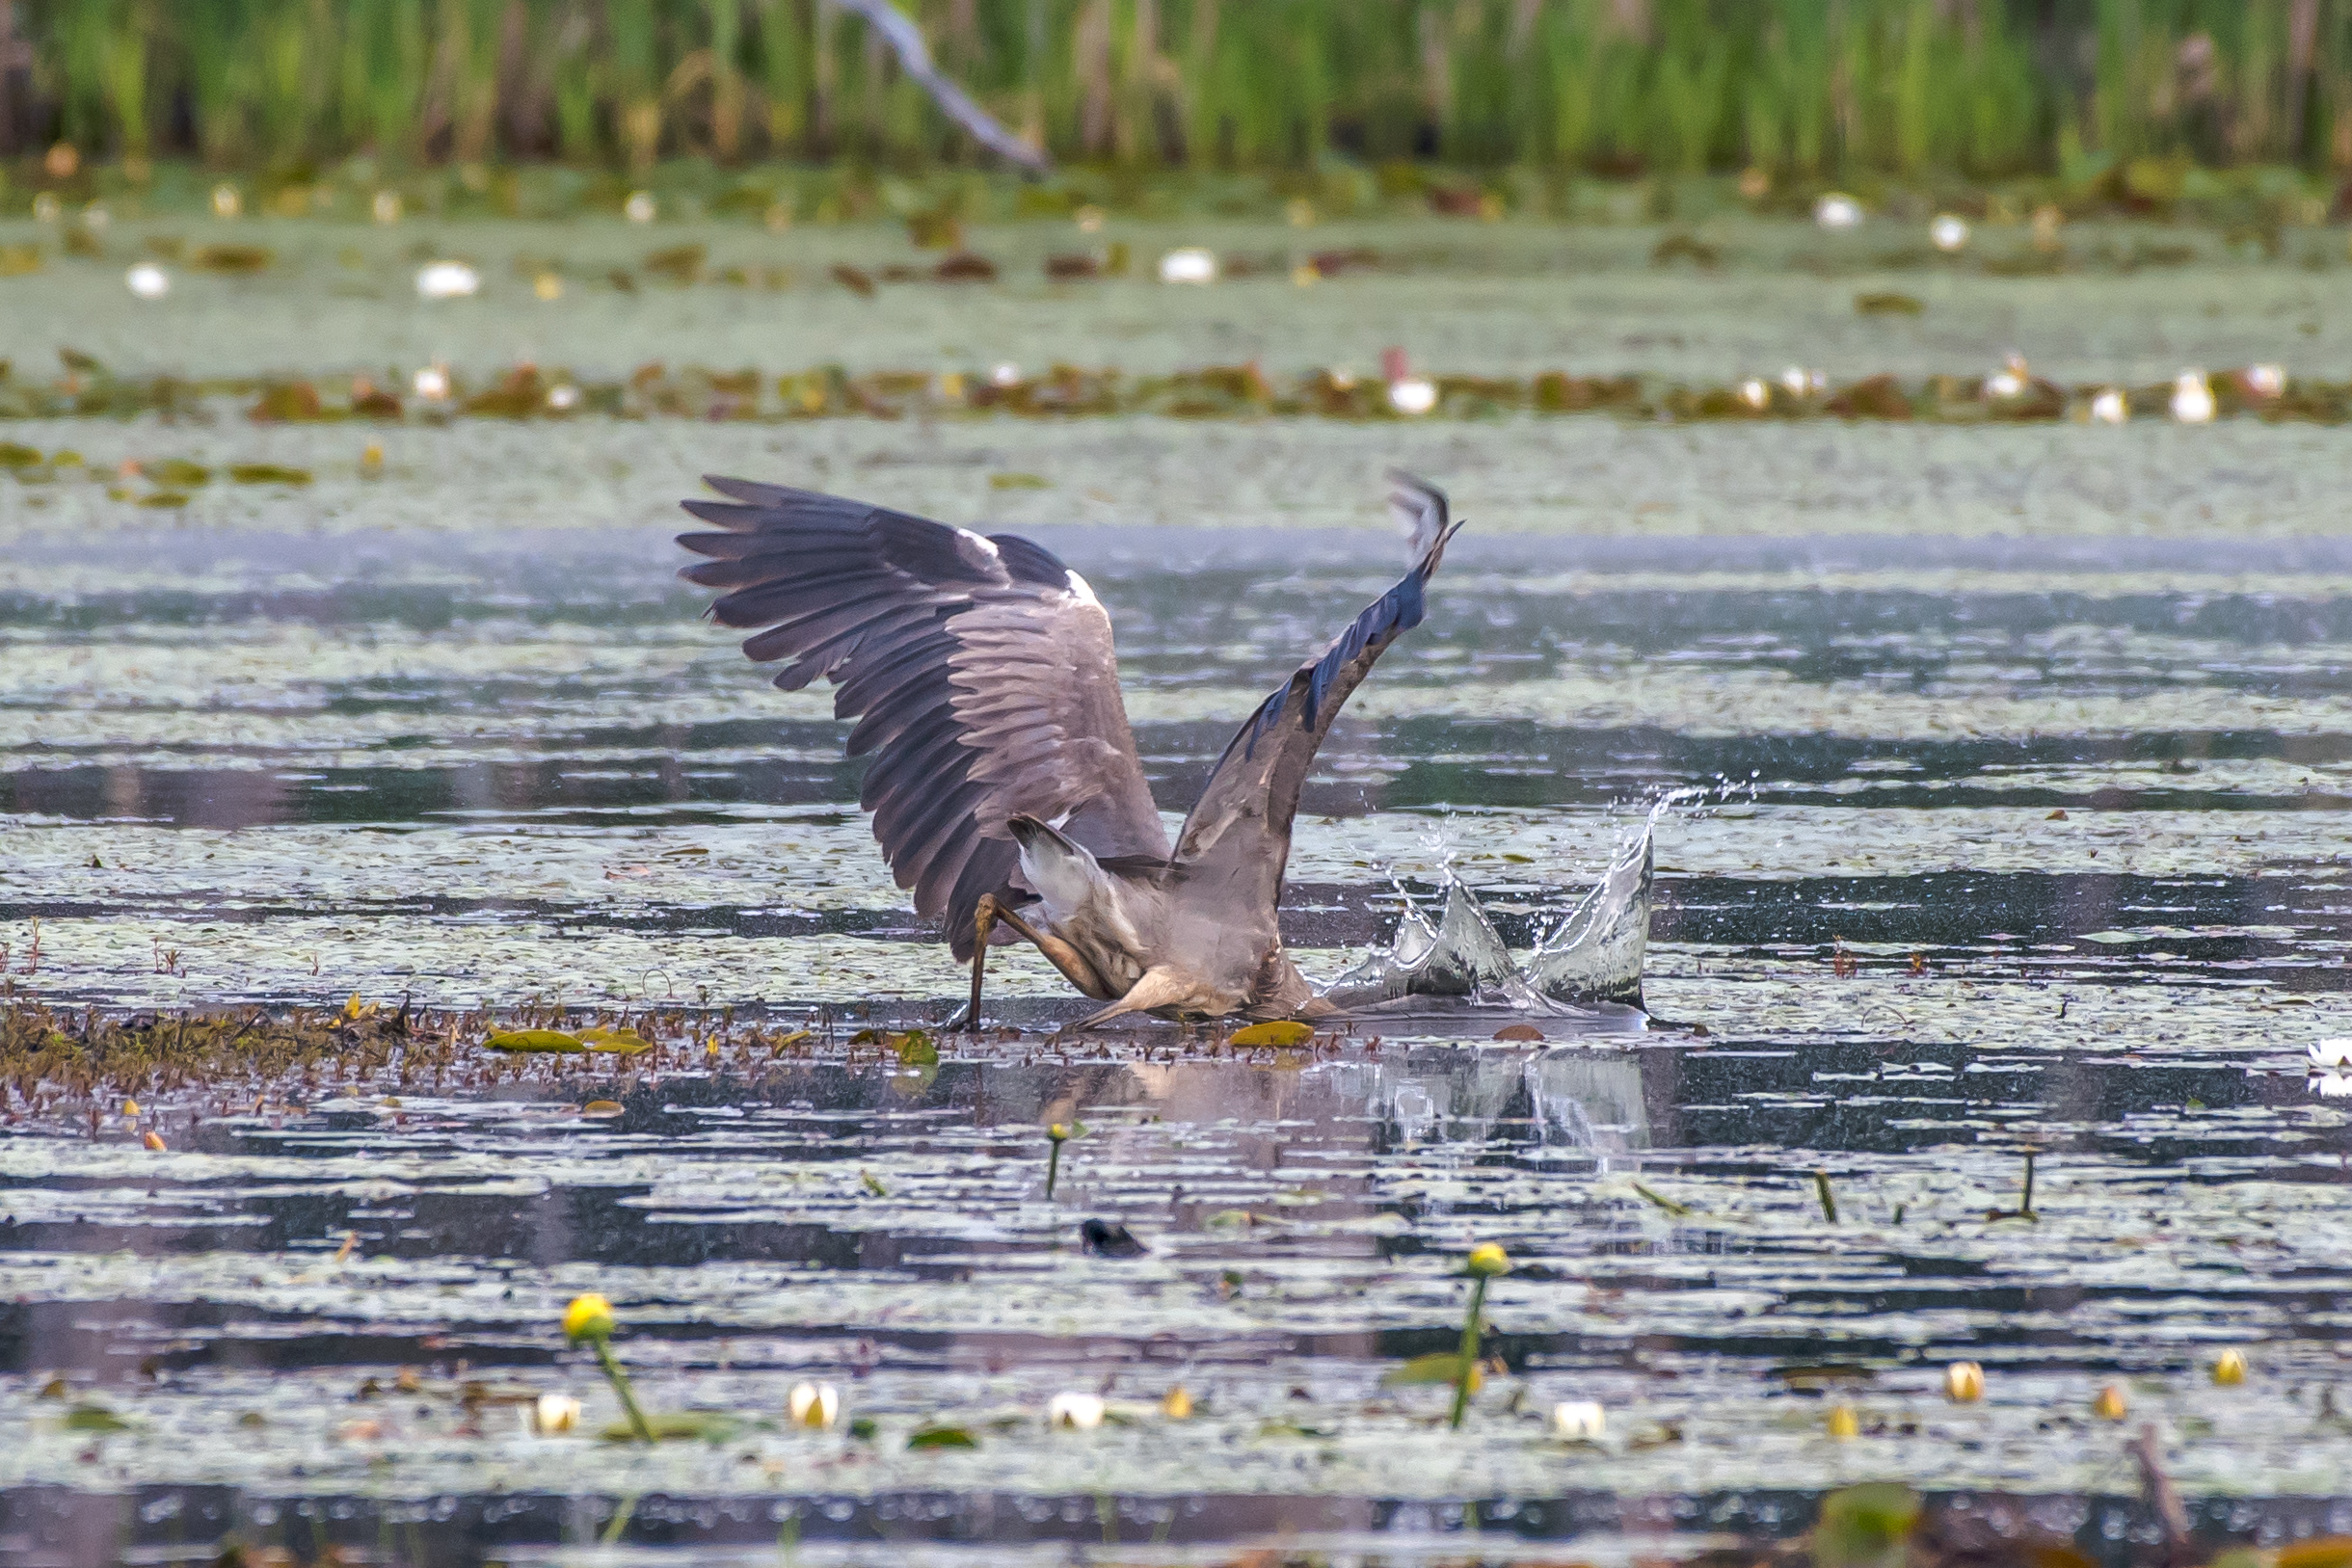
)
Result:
{"points": [[978, 548]]}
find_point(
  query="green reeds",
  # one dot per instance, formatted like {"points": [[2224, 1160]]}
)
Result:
{"points": [[1811, 90]]}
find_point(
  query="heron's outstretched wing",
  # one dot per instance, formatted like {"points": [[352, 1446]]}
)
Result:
{"points": [[981, 671], [1239, 832]]}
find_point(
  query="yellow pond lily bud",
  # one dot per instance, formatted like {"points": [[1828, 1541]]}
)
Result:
{"points": [[555, 1414], [1177, 1404], [2111, 1405], [1488, 1260], [1964, 1382], [2230, 1371], [1844, 1424], [588, 1318]]}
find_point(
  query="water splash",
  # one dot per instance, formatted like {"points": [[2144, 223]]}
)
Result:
{"points": [[1594, 955], [1593, 958]]}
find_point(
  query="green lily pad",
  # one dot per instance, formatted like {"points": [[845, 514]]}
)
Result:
{"points": [[679, 1427], [1439, 1366], [94, 1419], [539, 1041], [942, 1437]]}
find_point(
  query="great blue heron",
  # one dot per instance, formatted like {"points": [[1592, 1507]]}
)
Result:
{"points": [[1004, 782]]}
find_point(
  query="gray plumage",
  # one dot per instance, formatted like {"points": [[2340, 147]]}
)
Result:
{"points": [[906, 41], [985, 683]]}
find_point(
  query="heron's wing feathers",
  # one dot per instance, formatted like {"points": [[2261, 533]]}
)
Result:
{"points": [[981, 671], [1240, 828]]}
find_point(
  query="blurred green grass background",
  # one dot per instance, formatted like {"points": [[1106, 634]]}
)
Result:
{"points": [[2129, 98]]}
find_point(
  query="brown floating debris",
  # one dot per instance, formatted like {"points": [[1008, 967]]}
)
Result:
{"points": [[856, 280], [964, 267]]}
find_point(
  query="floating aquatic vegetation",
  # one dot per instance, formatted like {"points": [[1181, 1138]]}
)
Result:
{"points": [[1210, 392], [816, 1406], [1189, 264], [447, 280], [1579, 1421], [1075, 1412], [1591, 958]]}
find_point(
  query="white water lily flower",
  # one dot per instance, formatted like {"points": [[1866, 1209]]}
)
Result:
{"points": [[555, 1414], [447, 280], [1078, 1412], [1755, 395], [1837, 210], [227, 201], [815, 1404], [148, 281], [1801, 381], [2004, 384], [1412, 396], [1189, 264], [2266, 381], [1006, 375], [432, 383], [1948, 233], [2110, 407], [2192, 398], [563, 397], [2336, 1053], [639, 207], [1579, 1421]]}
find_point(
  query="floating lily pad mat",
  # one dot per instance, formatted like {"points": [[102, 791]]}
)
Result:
{"points": [[1999, 779]]}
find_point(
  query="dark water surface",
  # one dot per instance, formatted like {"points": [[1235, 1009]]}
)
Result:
{"points": [[1989, 845]]}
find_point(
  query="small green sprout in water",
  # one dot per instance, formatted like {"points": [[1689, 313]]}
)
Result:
{"points": [[1057, 1136], [1829, 1199], [1486, 1259], [590, 1317]]}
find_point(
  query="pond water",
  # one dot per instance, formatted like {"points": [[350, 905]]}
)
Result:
{"points": [[2012, 783]]}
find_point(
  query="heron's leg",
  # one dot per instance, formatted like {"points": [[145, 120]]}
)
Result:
{"points": [[984, 921], [1072, 963]]}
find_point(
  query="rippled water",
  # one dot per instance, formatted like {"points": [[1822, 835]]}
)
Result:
{"points": [[2006, 841]]}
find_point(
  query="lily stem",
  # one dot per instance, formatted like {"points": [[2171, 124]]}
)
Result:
{"points": [[619, 1380], [1468, 1370]]}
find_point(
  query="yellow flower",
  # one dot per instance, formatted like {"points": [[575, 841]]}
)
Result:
{"points": [[1488, 1260], [2231, 1369], [588, 1318], [1177, 1404], [1844, 1424], [2110, 1405], [1057, 1132], [1964, 1382]]}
